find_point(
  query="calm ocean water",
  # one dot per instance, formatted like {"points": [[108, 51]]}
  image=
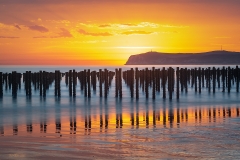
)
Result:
{"points": [[197, 126]]}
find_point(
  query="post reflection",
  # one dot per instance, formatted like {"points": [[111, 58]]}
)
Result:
{"points": [[58, 115], [72, 117], [43, 117], [87, 116], [29, 115], [103, 117]]}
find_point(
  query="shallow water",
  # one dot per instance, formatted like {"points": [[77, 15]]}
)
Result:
{"points": [[196, 126]]}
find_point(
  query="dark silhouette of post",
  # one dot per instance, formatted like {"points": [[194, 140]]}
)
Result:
{"points": [[146, 82], [164, 82], [153, 83], [137, 83], [237, 79], [100, 82], [177, 79], [1, 85], [89, 83]]}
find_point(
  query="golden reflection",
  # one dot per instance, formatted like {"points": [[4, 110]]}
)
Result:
{"points": [[106, 120]]}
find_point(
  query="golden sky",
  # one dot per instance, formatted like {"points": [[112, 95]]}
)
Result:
{"points": [[107, 32]]}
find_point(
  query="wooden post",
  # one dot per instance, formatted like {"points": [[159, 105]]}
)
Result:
{"points": [[146, 82], [105, 83], [85, 82], [131, 78], [56, 83], [1, 85], [223, 79], [89, 84], [199, 79], [120, 83], [177, 78], [237, 79], [164, 82], [154, 83], [229, 79], [214, 79], [70, 77], [100, 82], [137, 83], [74, 83]]}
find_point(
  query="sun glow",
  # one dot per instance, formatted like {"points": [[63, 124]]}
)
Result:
{"points": [[97, 32]]}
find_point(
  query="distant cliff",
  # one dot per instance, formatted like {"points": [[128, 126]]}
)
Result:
{"points": [[205, 58]]}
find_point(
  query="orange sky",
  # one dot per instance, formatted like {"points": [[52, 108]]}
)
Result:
{"points": [[92, 32]]}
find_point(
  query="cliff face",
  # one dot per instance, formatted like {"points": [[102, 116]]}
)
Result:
{"points": [[214, 57]]}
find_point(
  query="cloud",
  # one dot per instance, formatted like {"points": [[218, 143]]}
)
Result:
{"points": [[38, 28], [40, 37], [17, 26], [64, 33], [9, 37], [104, 25], [128, 25], [59, 21], [83, 32], [136, 32], [173, 26]]}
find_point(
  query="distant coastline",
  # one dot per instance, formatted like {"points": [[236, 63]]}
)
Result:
{"points": [[219, 57]]}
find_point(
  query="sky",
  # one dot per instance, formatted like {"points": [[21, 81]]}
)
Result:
{"points": [[107, 32]]}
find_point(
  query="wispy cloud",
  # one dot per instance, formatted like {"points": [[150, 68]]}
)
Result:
{"points": [[40, 37], [128, 25], [83, 32], [136, 32], [64, 33], [17, 26], [38, 28], [9, 37], [173, 26]]}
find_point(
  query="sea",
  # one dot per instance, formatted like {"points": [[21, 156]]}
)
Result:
{"points": [[197, 126]]}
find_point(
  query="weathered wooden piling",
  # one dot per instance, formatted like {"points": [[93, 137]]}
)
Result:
{"points": [[195, 79], [14, 84], [131, 80], [120, 82], [214, 78], [137, 82], [203, 76], [100, 82], [186, 79], [199, 79], [177, 79], [237, 79], [164, 82], [223, 79], [209, 79], [146, 82], [153, 83], [70, 78], [1, 85], [116, 83], [89, 83], [229, 76], [74, 82], [105, 83]]}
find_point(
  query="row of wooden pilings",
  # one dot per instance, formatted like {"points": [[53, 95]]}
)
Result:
{"points": [[211, 78], [88, 80], [145, 80]]}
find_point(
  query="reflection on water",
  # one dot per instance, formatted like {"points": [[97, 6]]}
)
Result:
{"points": [[62, 117]]}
